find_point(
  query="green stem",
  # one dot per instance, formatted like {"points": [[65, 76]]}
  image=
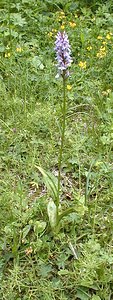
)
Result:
{"points": [[62, 143], [9, 25]]}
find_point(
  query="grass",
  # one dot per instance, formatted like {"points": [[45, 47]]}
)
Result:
{"points": [[77, 262]]}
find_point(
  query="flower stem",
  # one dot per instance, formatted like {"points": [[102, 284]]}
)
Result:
{"points": [[62, 143]]}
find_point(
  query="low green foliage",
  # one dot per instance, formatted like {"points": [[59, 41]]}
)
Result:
{"points": [[77, 262]]}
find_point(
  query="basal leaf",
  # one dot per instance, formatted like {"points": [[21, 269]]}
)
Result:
{"points": [[52, 213], [50, 182]]}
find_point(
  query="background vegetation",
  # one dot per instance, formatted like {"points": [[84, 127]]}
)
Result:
{"points": [[78, 262]]}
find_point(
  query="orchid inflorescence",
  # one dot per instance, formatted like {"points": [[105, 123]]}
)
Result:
{"points": [[63, 53]]}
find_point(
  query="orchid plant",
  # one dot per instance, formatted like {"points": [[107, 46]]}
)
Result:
{"points": [[64, 60]]}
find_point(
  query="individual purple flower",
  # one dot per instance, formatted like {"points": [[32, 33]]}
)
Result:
{"points": [[63, 53]]}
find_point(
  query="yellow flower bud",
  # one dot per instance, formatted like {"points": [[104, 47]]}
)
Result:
{"points": [[69, 87]]}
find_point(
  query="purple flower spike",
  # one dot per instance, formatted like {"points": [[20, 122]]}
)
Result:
{"points": [[63, 52]]}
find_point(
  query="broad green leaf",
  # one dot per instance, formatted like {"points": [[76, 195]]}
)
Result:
{"points": [[52, 213], [2, 48], [36, 62], [41, 66], [65, 213], [63, 272], [18, 20], [45, 270], [50, 181], [82, 295], [95, 298], [26, 230], [82, 36], [39, 227]]}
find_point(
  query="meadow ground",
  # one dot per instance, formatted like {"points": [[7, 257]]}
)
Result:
{"points": [[77, 261]]}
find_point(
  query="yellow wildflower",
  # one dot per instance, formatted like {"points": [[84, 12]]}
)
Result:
{"points": [[109, 91], [19, 49], [103, 49], [7, 54], [61, 16], [62, 13], [50, 34], [82, 64], [62, 27], [104, 43], [102, 52], [89, 48], [69, 87], [54, 30], [101, 55], [108, 36], [98, 163], [99, 37], [72, 24], [105, 93]]}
